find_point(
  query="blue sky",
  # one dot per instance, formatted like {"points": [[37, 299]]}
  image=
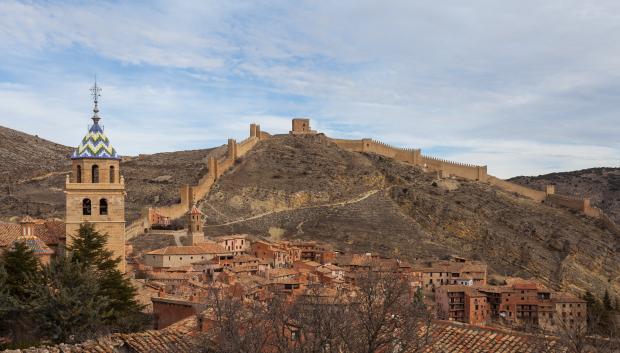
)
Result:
{"points": [[525, 87]]}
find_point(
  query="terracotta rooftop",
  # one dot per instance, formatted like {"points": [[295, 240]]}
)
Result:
{"points": [[8, 233], [231, 236], [179, 337], [204, 248], [50, 232], [456, 338]]}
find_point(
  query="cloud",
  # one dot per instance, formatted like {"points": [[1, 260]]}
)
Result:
{"points": [[523, 86]]}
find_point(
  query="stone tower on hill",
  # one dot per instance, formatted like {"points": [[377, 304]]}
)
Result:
{"points": [[95, 191]]}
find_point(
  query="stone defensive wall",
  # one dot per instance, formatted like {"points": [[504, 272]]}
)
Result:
{"points": [[218, 166], [190, 194], [477, 173], [414, 156], [521, 190]]}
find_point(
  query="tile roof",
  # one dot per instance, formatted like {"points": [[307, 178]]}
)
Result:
{"points": [[50, 232], [231, 236], [8, 233], [204, 248], [36, 245], [179, 337], [453, 337], [95, 145]]}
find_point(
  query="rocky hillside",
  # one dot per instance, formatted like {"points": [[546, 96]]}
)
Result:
{"points": [[34, 170], [307, 187], [601, 185]]}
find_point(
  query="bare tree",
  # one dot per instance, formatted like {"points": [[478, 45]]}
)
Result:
{"points": [[237, 325], [385, 316]]}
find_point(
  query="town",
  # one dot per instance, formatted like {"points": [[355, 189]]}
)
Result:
{"points": [[192, 281]]}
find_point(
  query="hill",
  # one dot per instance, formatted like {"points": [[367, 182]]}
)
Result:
{"points": [[601, 185], [307, 187], [34, 171]]}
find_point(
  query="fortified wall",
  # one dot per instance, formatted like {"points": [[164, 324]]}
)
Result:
{"points": [[414, 156], [446, 169], [191, 193]]}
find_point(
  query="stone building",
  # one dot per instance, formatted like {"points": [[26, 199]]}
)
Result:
{"points": [[302, 127], [195, 234], [95, 191], [177, 256], [237, 243], [28, 237], [462, 303]]}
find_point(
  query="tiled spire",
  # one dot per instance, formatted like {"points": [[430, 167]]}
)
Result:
{"points": [[95, 144]]}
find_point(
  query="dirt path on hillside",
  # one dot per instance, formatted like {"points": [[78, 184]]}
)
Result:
{"points": [[359, 198]]}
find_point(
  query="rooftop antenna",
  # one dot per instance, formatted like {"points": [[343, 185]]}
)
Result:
{"points": [[95, 92]]}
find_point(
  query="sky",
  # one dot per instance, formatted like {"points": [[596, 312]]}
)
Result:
{"points": [[525, 87]]}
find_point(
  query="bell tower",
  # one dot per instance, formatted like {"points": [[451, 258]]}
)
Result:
{"points": [[95, 191], [195, 233]]}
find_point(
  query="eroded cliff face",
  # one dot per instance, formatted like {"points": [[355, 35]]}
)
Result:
{"points": [[306, 187]]}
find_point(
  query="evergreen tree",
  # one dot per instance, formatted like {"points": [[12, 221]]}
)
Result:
{"points": [[89, 250], [22, 275], [64, 307], [22, 271], [7, 303]]}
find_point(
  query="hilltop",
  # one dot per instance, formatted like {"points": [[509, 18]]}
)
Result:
{"points": [[34, 171], [601, 185], [306, 187]]}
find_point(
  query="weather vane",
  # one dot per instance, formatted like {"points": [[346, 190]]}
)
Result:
{"points": [[95, 93]]}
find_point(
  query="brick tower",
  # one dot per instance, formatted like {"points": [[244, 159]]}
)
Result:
{"points": [[95, 191], [195, 233]]}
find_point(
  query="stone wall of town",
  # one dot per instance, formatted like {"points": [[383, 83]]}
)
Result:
{"points": [[190, 194]]}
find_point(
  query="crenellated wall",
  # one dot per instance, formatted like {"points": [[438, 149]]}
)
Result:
{"points": [[414, 156], [217, 167], [535, 195], [190, 194]]}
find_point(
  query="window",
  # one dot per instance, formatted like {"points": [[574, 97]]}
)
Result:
{"points": [[111, 174], [78, 176], [95, 174], [86, 207], [103, 207]]}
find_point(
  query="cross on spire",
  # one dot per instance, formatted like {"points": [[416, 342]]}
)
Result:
{"points": [[95, 92]]}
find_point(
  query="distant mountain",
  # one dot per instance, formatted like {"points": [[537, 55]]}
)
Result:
{"points": [[33, 172], [601, 185]]}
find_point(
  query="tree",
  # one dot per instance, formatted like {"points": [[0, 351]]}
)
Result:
{"points": [[22, 274], [89, 250], [238, 325], [384, 316], [7, 302], [22, 271], [64, 306]]}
